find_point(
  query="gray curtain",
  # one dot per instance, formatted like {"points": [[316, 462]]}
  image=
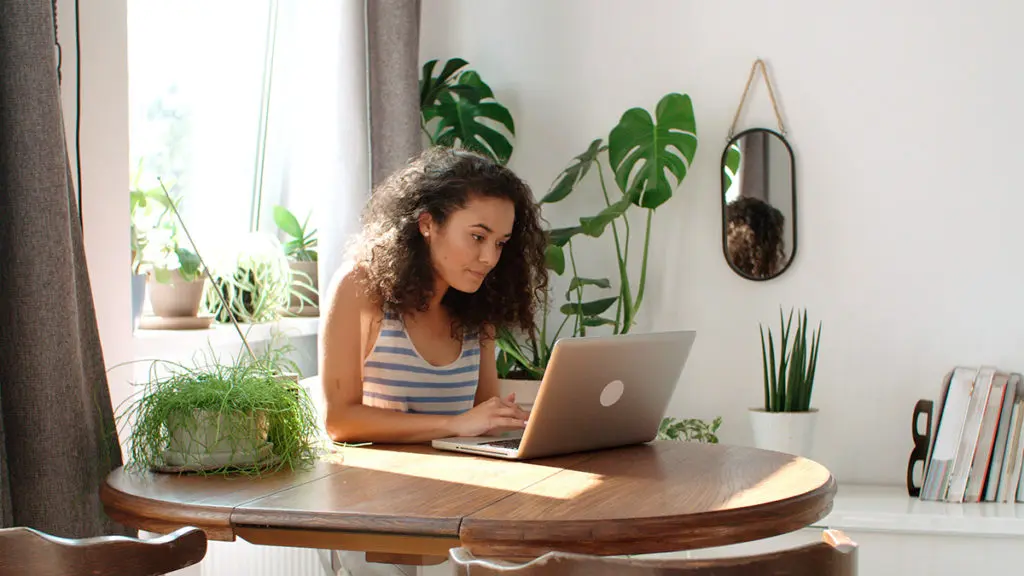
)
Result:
{"points": [[393, 37], [57, 435]]}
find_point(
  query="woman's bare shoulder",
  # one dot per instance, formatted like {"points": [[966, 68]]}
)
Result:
{"points": [[348, 290], [350, 299]]}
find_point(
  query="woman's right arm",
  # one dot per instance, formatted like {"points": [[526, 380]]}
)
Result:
{"points": [[343, 339]]}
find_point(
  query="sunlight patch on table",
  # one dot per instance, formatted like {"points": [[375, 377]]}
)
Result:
{"points": [[522, 477]]}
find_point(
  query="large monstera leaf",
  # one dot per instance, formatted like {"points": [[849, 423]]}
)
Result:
{"points": [[644, 151], [468, 114]]}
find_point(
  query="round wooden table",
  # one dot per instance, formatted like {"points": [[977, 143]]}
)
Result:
{"points": [[413, 503]]}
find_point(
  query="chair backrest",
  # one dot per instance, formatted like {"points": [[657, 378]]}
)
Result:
{"points": [[27, 551], [835, 555]]}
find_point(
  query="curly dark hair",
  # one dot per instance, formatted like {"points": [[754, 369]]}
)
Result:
{"points": [[395, 259], [755, 237]]}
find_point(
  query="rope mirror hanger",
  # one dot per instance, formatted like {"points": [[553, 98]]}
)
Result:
{"points": [[771, 95]]}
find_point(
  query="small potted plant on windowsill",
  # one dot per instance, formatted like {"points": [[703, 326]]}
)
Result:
{"points": [[174, 276], [300, 249], [786, 421]]}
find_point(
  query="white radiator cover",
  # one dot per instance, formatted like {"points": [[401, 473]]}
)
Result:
{"points": [[244, 559]]}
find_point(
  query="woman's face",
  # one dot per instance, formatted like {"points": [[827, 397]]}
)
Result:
{"points": [[468, 246]]}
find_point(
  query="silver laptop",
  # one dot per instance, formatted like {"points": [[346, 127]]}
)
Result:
{"points": [[597, 392]]}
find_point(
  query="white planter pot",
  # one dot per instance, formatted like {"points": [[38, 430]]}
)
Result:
{"points": [[788, 432], [526, 391], [211, 440]]}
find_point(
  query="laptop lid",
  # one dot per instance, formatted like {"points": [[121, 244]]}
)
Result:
{"points": [[605, 391]]}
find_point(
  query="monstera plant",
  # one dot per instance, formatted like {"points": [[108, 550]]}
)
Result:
{"points": [[648, 158], [458, 109]]}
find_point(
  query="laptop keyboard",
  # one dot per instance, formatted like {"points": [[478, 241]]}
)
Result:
{"points": [[512, 444]]}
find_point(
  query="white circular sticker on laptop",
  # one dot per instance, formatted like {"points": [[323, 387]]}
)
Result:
{"points": [[612, 392]]}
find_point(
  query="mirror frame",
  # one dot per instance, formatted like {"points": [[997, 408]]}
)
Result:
{"points": [[721, 199]]}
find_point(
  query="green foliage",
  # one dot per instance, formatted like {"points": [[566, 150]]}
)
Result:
{"points": [[690, 429], [301, 246], [247, 398], [788, 382], [731, 165], [255, 281], [648, 158], [458, 109], [155, 237]]}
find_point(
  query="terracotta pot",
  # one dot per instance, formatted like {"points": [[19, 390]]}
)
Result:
{"points": [[177, 298]]}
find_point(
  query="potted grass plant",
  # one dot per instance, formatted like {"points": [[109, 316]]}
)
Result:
{"points": [[244, 416], [785, 423]]}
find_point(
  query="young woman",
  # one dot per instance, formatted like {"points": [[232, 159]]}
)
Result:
{"points": [[451, 249]]}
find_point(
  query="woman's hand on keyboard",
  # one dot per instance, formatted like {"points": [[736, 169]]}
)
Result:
{"points": [[490, 416]]}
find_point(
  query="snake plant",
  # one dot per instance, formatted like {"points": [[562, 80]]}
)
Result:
{"points": [[788, 383]]}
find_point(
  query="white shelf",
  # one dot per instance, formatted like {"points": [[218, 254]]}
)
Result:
{"points": [[891, 509], [153, 344]]}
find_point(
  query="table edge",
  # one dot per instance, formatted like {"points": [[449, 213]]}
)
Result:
{"points": [[489, 537]]}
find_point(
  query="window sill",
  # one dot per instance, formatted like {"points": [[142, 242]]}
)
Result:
{"points": [[160, 344], [890, 509]]}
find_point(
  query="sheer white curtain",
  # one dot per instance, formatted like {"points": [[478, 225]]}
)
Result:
{"points": [[345, 79], [317, 156]]}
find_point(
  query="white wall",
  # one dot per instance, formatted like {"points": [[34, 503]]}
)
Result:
{"points": [[104, 155], [905, 123]]}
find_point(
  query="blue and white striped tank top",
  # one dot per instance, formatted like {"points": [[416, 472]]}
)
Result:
{"points": [[395, 376]]}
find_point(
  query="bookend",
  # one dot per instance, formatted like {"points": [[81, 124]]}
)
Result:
{"points": [[922, 442]]}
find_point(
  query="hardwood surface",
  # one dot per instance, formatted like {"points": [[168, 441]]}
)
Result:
{"points": [[664, 496], [415, 500], [30, 552]]}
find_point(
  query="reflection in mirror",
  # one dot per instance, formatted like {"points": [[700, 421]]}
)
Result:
{"points": [[758, 204]]}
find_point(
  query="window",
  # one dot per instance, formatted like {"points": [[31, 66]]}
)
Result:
{"points": [[199, 76]]}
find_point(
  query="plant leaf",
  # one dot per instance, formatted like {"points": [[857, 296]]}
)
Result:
{"points": [[592, 308], [189, 263], [731, 164], [460, 108], [578, 282], [554, 258], [593, 321], [287, 222], [595, 225], [573, 174], [430, 87], [561, 236], [764, 364], [642, 149]]}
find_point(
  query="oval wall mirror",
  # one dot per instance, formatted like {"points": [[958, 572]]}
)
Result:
{"points": [[758, 204]]}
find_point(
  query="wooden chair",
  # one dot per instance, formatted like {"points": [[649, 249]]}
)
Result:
{"points": [[835, 555], [30, 552]]}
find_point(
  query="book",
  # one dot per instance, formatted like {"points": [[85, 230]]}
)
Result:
{"points": [[1014, 389], [968, 441], [1010, 474], [986, 437], [947, 438]]}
